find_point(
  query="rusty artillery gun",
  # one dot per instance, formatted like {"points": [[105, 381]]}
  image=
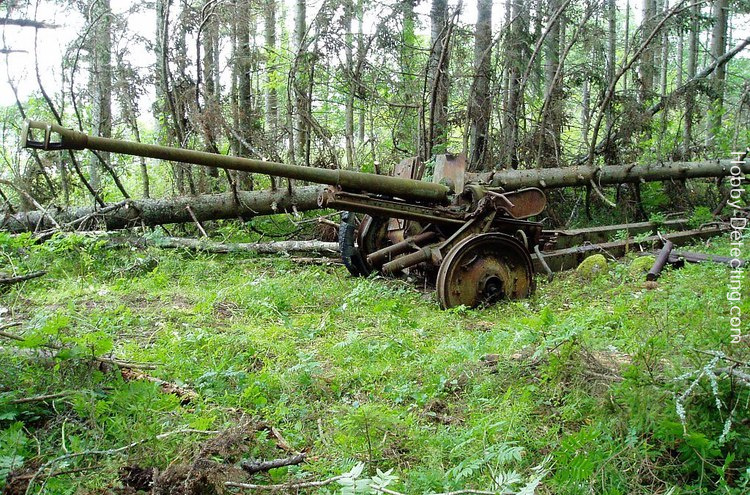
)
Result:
{"points": [[475, 241]]}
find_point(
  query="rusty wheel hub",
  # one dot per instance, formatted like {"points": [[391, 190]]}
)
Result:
{"points": [[483, 269]]}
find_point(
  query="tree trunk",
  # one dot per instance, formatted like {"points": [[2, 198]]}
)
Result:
{"points": [[151, 212], [160, 108], [272, 102], [349, 71], [687, 135], [438, 78], [101, 84], [550, 148], [211, 110], [244, 88], [514, 59], [301, 84], [480, 106], [362, 117], [611, 51], [626, 48], [718, 49], [646, 72]]}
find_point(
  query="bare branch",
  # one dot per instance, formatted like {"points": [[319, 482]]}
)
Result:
{"points": [[27, 23]]}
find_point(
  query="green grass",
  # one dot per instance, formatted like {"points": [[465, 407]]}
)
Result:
{"points": [[370, 370]]}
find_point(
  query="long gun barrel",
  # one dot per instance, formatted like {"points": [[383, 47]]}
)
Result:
{"points": [[345, 179]]}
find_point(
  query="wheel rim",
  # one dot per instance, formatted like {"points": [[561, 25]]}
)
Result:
{"points": [[483, 269]]}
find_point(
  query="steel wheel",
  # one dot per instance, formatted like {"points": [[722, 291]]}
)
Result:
{"points": [[483, 269]]}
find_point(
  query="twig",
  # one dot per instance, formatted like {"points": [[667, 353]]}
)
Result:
{"points": [[117, 450], [740, 375], [27, 23], [280, 440], [601, 194], [722, 356], [40, 398], [21, 278], [195, 219], [289, 486]]}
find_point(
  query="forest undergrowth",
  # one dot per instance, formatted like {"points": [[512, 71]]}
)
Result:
{"points": [[176, 372]]}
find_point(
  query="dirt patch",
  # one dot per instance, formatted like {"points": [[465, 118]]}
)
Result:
{"points": [[18, 479], [226, 310], [438, 411], [137, 478], [135, 301], [180, 302], [203, 477], [215, 463]]}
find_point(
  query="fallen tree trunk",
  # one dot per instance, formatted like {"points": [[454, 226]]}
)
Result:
{"points": [[220, 247], [614, 174], [151, 212]]}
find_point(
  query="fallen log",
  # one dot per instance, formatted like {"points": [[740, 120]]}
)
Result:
{"points": [[21, 278], [151, 212], [223, 248], [256, 247], [613, 174], [253, 467]]}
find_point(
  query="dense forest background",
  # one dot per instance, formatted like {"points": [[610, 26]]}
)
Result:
{"points": [[127, 367], [360, 85]]}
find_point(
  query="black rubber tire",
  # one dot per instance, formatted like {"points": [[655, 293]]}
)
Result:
{"points": [[350, 254]]}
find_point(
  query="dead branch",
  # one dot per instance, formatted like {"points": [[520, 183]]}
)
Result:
{"points": [[21, 278], [32, 200], [289, 487], [740, 375], [280, 440], [27, 23], [257, 467], [40, 398], [197, 222], [719, 62], [601, 195], [56, 347], [186, 395]]}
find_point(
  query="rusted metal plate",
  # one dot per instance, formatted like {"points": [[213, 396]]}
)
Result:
{"points": [[576, 237], [450, 170], [568, 258], [409, 168], [519, 204]]}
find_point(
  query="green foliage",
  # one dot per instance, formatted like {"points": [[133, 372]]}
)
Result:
{"points": [[584, 396], [701, 215]]}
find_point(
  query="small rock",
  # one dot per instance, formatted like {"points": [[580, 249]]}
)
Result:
{"points": [[592, 267]]}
